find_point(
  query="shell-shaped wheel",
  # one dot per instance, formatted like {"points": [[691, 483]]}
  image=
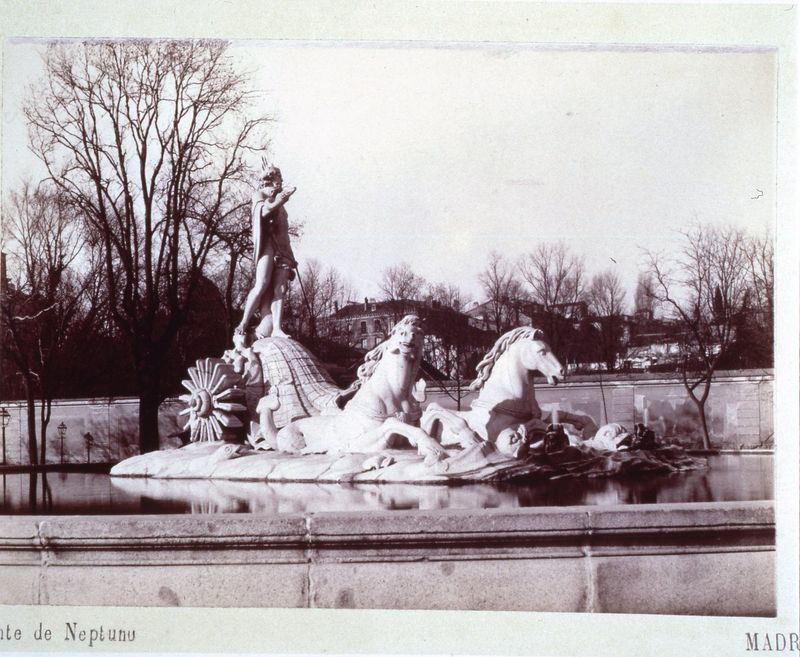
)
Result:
{"points": [[215, 401]]}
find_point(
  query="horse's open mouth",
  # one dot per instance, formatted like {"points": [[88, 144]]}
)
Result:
{"points": [[554, 380], [407, 347]]}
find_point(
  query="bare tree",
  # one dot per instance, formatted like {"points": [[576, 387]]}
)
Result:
{"points": [[233, 279], [448, 295], [147, 140], [51, 303], [399, 282], [606, 299], [454, 347], [503, 292], [553, 275], [705, 286], [761, 268], [605, 294], [644, 296], [315, 296]]}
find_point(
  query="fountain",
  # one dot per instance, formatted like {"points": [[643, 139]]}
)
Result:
{"points": [[266, 411], [303, 428]]}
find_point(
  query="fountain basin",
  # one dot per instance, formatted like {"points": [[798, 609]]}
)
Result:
{"points": [[648, 558], [728, 478]]}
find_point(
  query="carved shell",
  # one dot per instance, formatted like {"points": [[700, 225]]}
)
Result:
{"points": [[303, 386], [214, 402]]}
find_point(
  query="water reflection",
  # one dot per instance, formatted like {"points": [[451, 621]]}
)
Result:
{"points": [[61, 493], [728, 478], [39, 493], [210, 496]]}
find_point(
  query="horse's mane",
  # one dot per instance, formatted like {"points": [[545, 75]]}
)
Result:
{"points": [[484, 368], [373, 358]]}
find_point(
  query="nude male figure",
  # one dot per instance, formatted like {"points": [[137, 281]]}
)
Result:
{"points": [[273, 256]]}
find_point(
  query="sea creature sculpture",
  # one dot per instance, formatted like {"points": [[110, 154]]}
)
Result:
{"points": [[301, 383], [283, 381], [506, 412], [615, 437], [382, 410]]}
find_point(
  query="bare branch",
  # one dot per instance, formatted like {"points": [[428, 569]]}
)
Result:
{"points": [[146, 139]]}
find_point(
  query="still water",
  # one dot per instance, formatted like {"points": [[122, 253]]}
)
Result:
{"points": [[728, 478]]}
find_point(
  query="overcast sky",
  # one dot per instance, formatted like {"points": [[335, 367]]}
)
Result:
{"points": [[438, 155]]}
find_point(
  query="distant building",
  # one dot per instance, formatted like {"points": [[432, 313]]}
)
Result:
{"points": [[485, 315], [455, 340], [452, 343], [576, 311], [652, 343], [525, 313], [365, 325]]}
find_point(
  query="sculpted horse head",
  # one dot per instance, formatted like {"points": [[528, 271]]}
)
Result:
{"points": [[506, 404], [404, 344], [395, 362], [523, 350]]}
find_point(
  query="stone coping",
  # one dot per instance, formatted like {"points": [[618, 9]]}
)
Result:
{"points": [[657, 559], [721, 523]]}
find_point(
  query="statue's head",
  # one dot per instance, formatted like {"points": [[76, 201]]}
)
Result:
{"points": [[271, 179]]}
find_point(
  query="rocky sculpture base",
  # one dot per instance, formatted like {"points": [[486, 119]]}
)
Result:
{"points": [[483, 462]]}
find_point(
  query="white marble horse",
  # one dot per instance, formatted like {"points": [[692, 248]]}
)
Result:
{"points": [[506, 412], [383, 409]]}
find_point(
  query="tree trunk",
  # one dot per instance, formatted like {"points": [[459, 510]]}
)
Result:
{"points": [[701, 407], [701, 410], [44, 421], [149, 401], [700, 402], [42, 436], [31, 413], [33, 484], [229, 310]]}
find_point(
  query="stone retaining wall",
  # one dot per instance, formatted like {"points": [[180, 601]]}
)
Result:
{"points": [[739, 410], [706, 559]]}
